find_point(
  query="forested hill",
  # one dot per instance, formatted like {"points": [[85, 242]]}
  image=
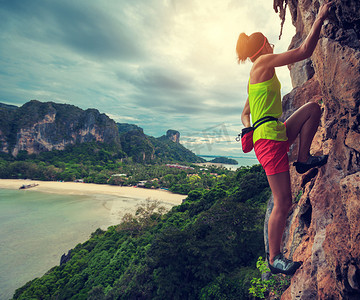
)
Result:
{"points": [[206, 248], [144, 148], [38, 127]]}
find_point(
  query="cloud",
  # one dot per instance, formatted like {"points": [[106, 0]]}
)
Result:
{"points": [[160, 79], [81, 25], [122, 119], [157, 63]]}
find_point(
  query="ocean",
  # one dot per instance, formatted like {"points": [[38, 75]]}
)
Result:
{"points": [[244, 160], [37, 228]]}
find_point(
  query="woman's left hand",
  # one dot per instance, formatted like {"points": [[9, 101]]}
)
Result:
{"points": [[324, 10]]}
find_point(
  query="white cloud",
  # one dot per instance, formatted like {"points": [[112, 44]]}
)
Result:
{"points": [[159, 64], [122, 119]]}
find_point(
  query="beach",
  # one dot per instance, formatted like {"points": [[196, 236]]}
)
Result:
{"points": [[210, 164], [116, 200], [79, 188], [41, 223]]}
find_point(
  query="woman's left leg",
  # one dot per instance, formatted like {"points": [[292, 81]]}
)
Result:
{"points": [[281, 190], [303, 122]]}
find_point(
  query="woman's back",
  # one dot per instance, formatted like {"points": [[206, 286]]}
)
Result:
{"points": [[265, 100]]}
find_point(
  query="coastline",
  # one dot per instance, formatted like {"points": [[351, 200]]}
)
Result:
{"points": [[44, 227], [78, 188], [210, 164]]}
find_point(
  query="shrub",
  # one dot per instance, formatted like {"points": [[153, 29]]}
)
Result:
{"points": [[275, 285]]}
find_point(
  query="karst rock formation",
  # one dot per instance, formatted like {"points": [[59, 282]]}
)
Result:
{"points": [[324, 224], [45, 126]]}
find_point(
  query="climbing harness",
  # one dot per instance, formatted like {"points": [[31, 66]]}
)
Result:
{"points": [[246, 135]]}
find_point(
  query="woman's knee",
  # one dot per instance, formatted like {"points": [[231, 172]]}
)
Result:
{"points": [[283, 206], [281, 211], [314, 109]]}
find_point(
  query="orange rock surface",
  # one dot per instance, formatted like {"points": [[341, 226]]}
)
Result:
{"points": [[324, 224]]}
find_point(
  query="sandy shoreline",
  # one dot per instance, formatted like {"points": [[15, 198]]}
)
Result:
{"points": [[39, 247], [210, 164], [77, 188]]}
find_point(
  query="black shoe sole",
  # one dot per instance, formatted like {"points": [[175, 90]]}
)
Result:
{"points": [[302, 168], [291, 271], [273, 270]]}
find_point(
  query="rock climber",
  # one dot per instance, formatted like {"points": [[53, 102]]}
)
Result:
{"points": [[273, 138]]}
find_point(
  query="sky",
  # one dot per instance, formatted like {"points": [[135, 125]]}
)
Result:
{"points": [[159, 64]]}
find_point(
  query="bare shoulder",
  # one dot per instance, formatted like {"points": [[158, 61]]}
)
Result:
{"points": [[260, 71]]}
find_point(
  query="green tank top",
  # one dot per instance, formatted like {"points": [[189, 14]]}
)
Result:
{"points": [[265, 100]]}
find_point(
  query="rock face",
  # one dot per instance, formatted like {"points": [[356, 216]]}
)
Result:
{"points": [[324, 224], [37, 127], [137, 145], [173, 135], [65, 258]]}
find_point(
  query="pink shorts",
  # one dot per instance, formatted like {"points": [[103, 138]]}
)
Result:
{"points": [[272, 155]]}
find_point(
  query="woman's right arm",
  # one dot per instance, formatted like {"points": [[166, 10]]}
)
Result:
{"points": [[306, 48], [245, 115]]}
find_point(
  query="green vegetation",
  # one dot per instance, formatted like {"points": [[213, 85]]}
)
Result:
{"points": [[105, 164], [60, 124], [274, 285], [88, 160], [205, 248], [167, 150], [147, 149], [298, 196]]}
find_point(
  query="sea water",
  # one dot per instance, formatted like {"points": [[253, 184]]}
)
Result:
{"points": [[37, 228], [246, 160]]}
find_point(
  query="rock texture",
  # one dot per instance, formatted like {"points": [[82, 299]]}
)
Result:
{"points": [[324, 224], [36, 127], [137, 145], [173, 135]]}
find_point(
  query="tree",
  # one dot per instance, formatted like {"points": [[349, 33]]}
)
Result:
{"points": [[147, 215]]}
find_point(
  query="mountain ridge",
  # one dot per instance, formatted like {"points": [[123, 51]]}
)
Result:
{"points": [[38, 126]]}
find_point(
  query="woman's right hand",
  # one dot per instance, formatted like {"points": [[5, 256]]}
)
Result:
{"points": [[324, 10], [305, 50]]}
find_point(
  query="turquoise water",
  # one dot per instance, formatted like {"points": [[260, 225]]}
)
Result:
{"points": [[248, 159], [37, 228]]}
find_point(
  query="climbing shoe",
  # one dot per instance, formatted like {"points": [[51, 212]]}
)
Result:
{"points": [[312, 162], [283, 265]]}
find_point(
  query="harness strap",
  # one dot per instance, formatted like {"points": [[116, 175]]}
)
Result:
{"points": [[263, 120], [255, 125]]}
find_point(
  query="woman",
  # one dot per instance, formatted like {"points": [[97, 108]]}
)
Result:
{"points": [[273, 138]]}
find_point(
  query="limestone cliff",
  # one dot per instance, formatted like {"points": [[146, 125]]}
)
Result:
{"points": [[37, 127], [324, 224], [136, 144], [45, 126], [173, 135], [145, 148]]}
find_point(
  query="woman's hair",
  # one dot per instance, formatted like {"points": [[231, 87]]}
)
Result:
{"points": [[247, 46]]}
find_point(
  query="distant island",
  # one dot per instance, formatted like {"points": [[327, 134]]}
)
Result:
{"points": [[224, 160]]}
